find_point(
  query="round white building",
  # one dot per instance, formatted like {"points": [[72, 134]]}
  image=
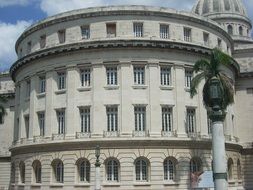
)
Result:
{"points": [[117, 77]]}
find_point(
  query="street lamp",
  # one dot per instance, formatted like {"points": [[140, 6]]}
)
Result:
{"points": [[97, 167], [218, 142]]}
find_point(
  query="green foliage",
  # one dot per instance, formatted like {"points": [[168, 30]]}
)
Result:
{"points": [[206, 70]]}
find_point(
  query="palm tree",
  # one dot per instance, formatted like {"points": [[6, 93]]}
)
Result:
{"points": [[211, 71]]}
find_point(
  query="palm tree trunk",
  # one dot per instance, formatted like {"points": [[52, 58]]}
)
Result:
{"points": [[219, 156]]}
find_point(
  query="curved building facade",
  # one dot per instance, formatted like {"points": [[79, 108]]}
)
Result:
{"points": [[118, 77]]}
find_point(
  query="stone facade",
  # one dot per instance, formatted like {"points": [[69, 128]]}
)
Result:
{"points": [[119, 77]]}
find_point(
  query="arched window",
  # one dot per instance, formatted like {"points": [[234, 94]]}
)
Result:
{"points": [[141, 170], [22, 172], [112, 170], [58, 171], [230, 29], [169, 166], [195, 165], [37, 171], [239, 170], [240, 31], [230, 165], [83, 169]]}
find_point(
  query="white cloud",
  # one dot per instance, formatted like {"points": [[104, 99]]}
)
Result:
{"points": [[51, 7], [8, 36], [5, 3]]}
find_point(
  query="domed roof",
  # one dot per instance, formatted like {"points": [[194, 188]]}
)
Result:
{"points": [[207, 7]]}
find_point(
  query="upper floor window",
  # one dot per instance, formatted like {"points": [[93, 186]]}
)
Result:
{"points": [[61, 80], [22, 172], [191, 120], [187, 34], [27, 127], [61, 121], [206, 39], [112, 118], [188, 78], [111, 30], [164, 31], [139, 75], [62, 36], [85, 120], [83, 167], [195, 166], [140, 118], [111, 73], [165, 76], [167, 119], [36, 171], [240, 30], [85, 77], [239, 170], [29, 47], [28, 88], [209, 126], [112, 170], [43, 41], [230, 29], [219, 43], [138, 29], [41, 117], [58, 171], [85, 31], [169, 169], [141, 170], [42, 85], [230, 166]]}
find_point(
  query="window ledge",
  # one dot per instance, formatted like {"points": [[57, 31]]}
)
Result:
{"points": [[136, 86], [168, 183], [40, 95], [112, 87], [36, 184], [86, 88], [166, 87], [21, 184], [111, 184], [56, 185], [62, 91], [142, 183], [82, 184], [231, 181]]}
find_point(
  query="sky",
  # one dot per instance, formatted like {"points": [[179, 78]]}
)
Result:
{"points": [[17, 15]]}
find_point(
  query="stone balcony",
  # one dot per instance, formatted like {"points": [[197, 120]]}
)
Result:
{"points": [[141, 133], [111, 133], [169, 133], [83, 135], [58, 136]]}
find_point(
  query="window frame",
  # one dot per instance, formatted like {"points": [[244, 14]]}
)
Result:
{"points": [[110, 34], [37, 177], [164, 31], [41, 121], [165, 76], [112, 168], [61, 121], [62, 36], [61, 80], [83, 167], [85, 32], [188, 77], [187, 34], [167, 122], [42, 84], [139, 72], [43, 41], [138, 29], [112, 75], [85, 119], [85, 77], [169, 168], [191, 120], [140, 118], [112, 118], [141, 173]]}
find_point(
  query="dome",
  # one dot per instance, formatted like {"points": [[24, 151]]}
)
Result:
{"points": [[207, 7]]}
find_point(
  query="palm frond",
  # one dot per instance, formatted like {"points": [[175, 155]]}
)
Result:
{"points": [[228, 90], [195, 83], [201, 65]]}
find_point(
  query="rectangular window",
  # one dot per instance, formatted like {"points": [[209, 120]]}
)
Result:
{"points": [[165, 76], [191, 120], [187, 35], [209, 126], [41, 117], [85, 77], [188, 78], [43, 41], [61, 122], [206, 39], [111, 30], [139, 75], [28, 89], [167, 119], [219, 43], [138, 29], [1, 118], [140, 118], [42, 85], [62, 36], [85, 31], [112, 118], [29, 47], [112, 78], [85, 120], [164, 31], [61, 80], [27, 126]]}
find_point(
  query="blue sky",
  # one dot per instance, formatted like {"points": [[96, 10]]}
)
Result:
{"points": [[16, 15]]}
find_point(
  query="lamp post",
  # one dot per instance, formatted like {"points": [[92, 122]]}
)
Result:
{"points": [[217, 116], [97, 168]]}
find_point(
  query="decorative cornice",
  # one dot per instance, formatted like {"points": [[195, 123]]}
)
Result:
{"points": [[111, 44], [123, 10]]}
